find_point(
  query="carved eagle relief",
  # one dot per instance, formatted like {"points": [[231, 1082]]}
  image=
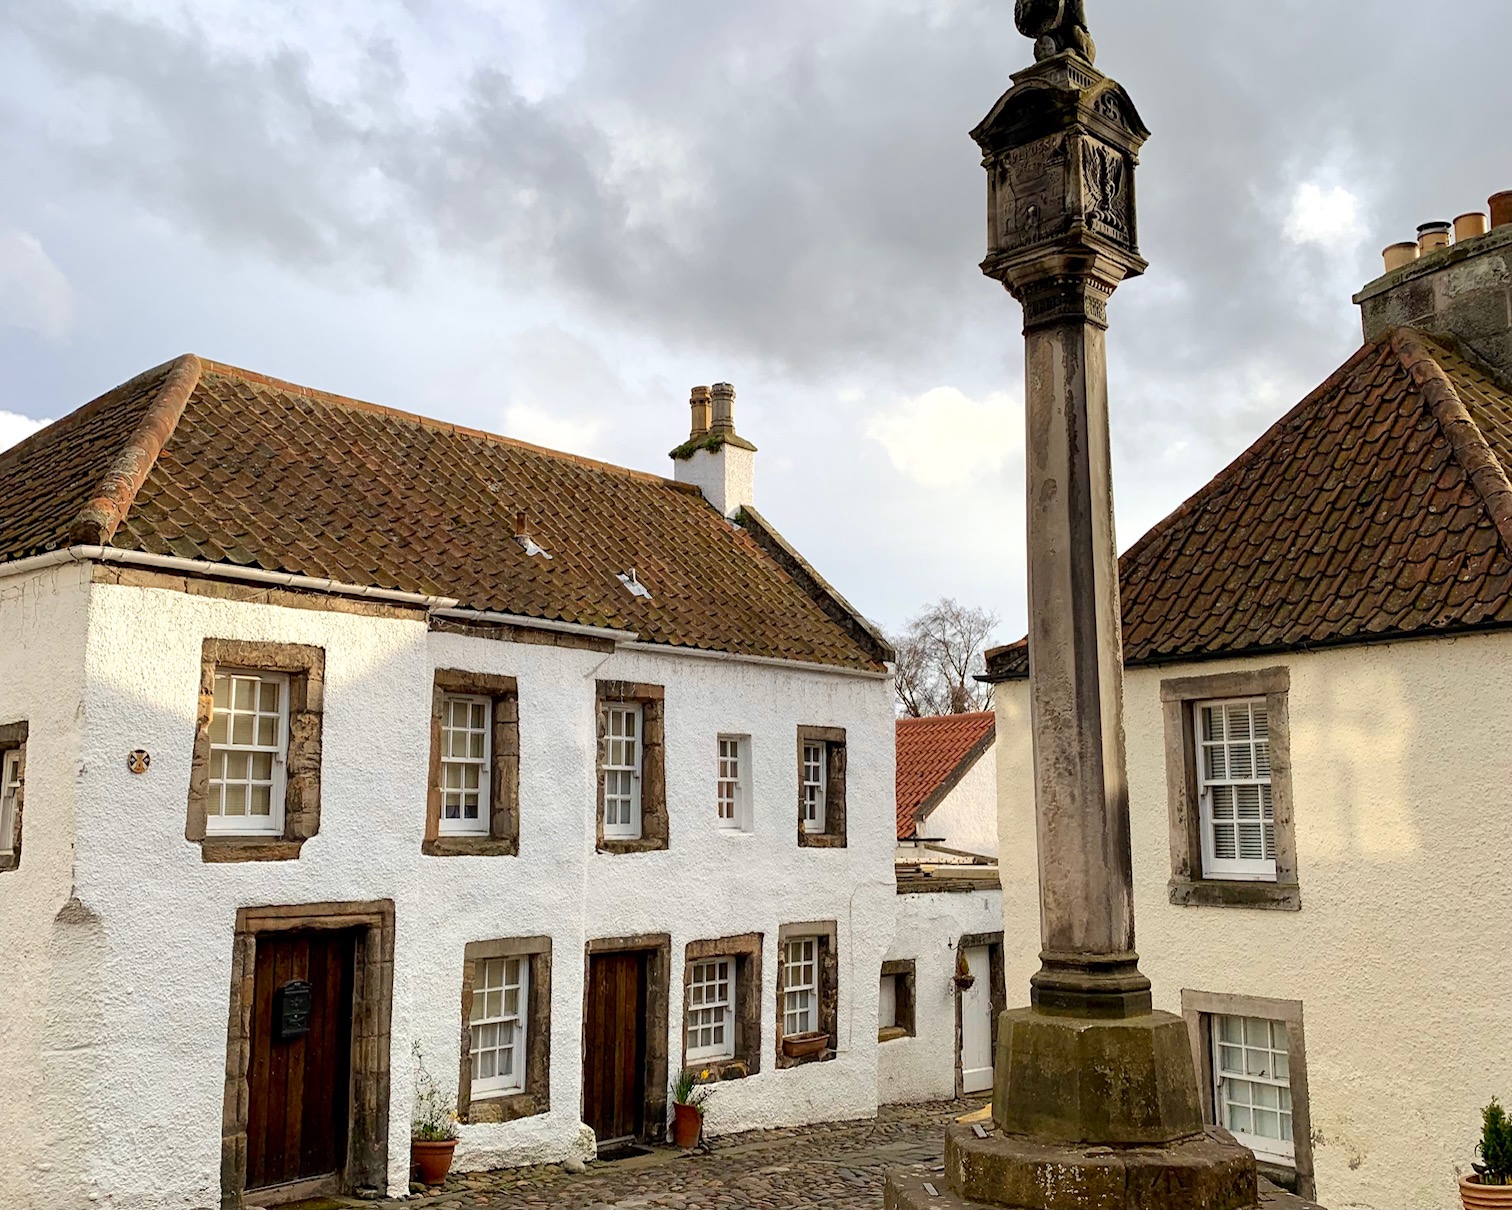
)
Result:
{"points": [[1055, 26]]}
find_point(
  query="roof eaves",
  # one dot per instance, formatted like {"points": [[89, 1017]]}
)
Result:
{"points": [[953, 778], [102, 515]]}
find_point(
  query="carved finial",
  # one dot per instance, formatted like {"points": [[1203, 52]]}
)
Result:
{"points": [[1055, 26]]}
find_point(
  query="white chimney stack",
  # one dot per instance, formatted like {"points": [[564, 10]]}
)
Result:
{"points": [[715, 459]]}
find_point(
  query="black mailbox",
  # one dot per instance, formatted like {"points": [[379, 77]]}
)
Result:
{"points": [[291, 1010]]}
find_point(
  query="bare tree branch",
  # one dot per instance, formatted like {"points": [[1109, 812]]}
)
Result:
{"points": [[938, 654]]}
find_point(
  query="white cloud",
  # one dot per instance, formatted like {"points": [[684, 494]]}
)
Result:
{"points": [[530, 422], [943, 438], [14, 428], [34, 294], [1330, 217]]}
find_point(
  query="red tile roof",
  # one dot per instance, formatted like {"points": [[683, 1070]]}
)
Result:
{"points": [[933, 755], [1378, 507], [209, 462]]}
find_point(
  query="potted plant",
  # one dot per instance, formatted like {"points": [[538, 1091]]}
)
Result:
{"points": [[963, 978], [688, 1099], [433, 1125], [801, 1046], [1490, 1188]]}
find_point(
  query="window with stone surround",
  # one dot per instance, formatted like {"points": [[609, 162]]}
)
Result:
{"points": [[632, 786], [807, 988], [254, 780], [722, 1007], [12, 792], [1229, 791], [505, 1071], [821, 787], [895, 1016], [1252, 1077], [473, 809]]}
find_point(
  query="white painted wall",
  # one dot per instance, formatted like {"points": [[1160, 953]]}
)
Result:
{"points": [[1402, 756], [146, 1104], [967, 817], [923, 1067], [726, 476], [44, 1045]]}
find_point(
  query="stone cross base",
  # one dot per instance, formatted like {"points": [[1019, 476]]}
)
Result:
{"points": [[1208, 1171]]}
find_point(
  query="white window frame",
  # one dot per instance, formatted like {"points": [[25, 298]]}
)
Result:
{"points": [[732, 784], [626, 829], [709, 1009], [1258, 1071], [1237, 868], [10, 788], [498, 1084], [484, 766], [216, 822], [815, 785], [800, 985]]}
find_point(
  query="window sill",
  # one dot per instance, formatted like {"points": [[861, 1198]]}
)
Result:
{"points": [[639, 844], [9, 860], [494, 1107], [717, 1071], [471, 846], [217, 848], [820, 840], [1212, 892], [891, 1033]]}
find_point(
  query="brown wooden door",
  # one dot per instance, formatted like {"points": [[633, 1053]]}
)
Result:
{"points": [[300, 1073], [614, 1046]]}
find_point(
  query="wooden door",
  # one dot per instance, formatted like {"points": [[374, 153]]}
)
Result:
{"points": [[300, 1073], [976, 1023], [614, 1046]]}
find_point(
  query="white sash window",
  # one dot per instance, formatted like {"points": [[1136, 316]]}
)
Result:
{"points": [[711, 1010], [249, 737], [622, 772], [1234, 782], [499, 1003], [815, 778], [1252, 1084], [800, 986], [10, 790], [466, 723]]}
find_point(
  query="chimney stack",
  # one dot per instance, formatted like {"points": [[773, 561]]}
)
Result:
{"points": [[1456, 281], [715, 459]]}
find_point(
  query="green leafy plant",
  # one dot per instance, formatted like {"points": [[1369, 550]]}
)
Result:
{"points": [[686, 1089], [1495, 1146], [434, 1119]]}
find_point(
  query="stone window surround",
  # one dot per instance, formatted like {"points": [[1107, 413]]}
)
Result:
{"points": [[1188, 886], [655, 826], [372, 1001], [833, 836], [745, 951], [657, 948], [13, 739], [829, 987], [535, 1097], [997, 994], [903, 971], [1198, 1008], [305, 668], [503, 838]]}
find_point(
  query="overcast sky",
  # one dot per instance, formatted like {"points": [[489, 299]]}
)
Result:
{"points": [[550, 218]]}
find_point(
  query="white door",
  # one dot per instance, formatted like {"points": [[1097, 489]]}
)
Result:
{"points": [[976, 1024]]}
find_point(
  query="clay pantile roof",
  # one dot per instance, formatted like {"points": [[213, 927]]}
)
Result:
{"points": [[933, 755], [1378, 507], [209, 462]]}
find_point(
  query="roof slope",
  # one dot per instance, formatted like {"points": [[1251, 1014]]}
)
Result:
{"points": [[206, 461], [1378, 507], [933, 755]]}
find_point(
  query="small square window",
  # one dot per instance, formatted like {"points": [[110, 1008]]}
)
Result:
{"points": [[249, 735], [466, 770], [711, 1010], [895, 1000]]}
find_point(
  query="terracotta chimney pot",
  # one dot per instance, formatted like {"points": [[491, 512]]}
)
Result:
{"points": [[1400, 254], [1501, 209], [1468, 226], [699, 403], [1433, 236]]}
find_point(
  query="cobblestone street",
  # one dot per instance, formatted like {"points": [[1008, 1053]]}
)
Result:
{"points": [[838, 1165]]}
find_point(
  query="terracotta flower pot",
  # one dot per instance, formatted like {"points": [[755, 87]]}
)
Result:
{"points": [[433, 1159], [687, 1125], [798, 1046], [1484, 1197], [964, 982]]}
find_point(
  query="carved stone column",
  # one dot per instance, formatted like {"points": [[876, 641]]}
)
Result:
{"points": [[1095, 1097]]}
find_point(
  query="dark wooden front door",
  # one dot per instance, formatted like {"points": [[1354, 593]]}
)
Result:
{"points": [[300, 1074], [614, 1046]]}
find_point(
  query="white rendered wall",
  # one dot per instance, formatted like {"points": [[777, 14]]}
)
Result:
{"points": [[168, 918], [45, 1048], [1402, 758], [727, 476], [930, 927], [967, 817]]}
